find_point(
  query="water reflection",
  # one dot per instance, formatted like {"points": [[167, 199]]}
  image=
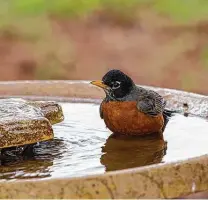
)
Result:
{"points": [[29, 169], [122, 152], [35, 163]]}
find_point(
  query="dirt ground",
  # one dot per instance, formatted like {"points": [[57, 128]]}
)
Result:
{"points": [[153, 52]]}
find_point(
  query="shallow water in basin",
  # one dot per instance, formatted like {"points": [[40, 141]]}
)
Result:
{"points": [[83, 146]]}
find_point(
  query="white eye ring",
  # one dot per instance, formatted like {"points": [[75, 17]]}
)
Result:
{"points": [[116, 85]]}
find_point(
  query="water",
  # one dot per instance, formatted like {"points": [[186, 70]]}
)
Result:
{"points": [[83, 146]]}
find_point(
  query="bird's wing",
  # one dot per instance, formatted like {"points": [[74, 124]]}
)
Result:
{"points": [[151, 103], [101, 111]]}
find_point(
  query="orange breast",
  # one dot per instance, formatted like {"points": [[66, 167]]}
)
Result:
{"points": [[125, 118]]}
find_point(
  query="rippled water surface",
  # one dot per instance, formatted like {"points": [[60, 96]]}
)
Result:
{"points": [[82, 146]]}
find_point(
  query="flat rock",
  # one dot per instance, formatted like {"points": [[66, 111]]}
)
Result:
{"points": [[27, 122]]}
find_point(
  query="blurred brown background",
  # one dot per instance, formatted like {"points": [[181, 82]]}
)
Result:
{"points": [[159, 43]]}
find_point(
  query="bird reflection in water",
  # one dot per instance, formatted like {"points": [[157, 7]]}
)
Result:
{"points": [[128, 152]]}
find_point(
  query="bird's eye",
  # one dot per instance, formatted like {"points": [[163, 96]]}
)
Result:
{"points": [[116, 85]]}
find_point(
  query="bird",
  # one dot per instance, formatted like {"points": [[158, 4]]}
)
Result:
{"points": [[131, 110]]}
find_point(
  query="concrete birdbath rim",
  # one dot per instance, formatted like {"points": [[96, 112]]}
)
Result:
{"points": [[107, 185], [87, 82], [15, 89]]}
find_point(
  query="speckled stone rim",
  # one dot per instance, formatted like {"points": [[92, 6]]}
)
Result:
{"points": [[172, 180]]}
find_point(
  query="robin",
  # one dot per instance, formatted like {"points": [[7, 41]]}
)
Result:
{"points": [[128, 109]]}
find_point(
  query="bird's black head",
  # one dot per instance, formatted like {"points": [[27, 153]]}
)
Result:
{"points": [[115, 83]]}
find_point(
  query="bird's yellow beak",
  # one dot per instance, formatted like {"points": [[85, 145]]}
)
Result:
{"points": [[99, 84]]}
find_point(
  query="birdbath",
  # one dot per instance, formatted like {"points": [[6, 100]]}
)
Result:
{"points": [[82, 161]]}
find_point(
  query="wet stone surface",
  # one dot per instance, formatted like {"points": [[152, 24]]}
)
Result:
{"points": [[25, 122]]}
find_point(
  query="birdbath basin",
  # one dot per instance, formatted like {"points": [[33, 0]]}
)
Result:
{"points": [[84, 161]]}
